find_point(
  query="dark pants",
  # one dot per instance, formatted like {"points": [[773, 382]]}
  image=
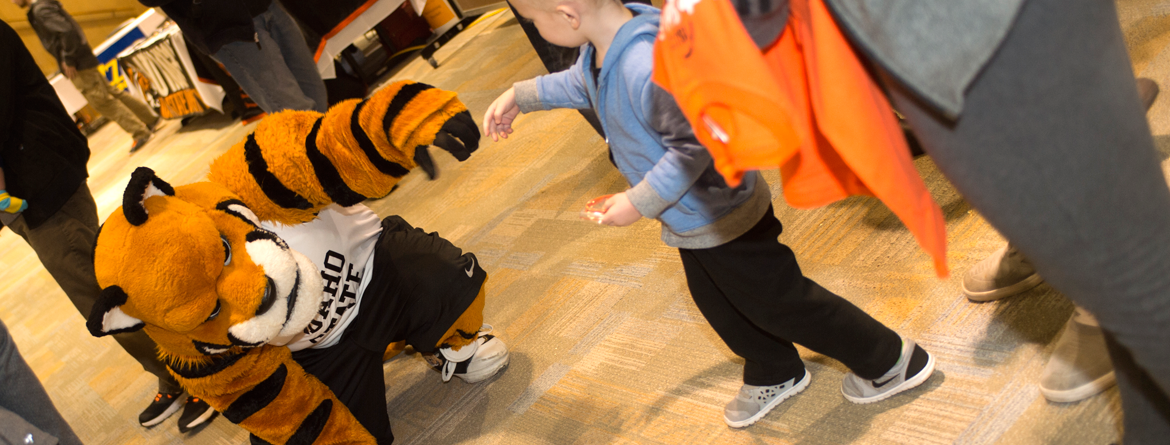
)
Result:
{"points": [[64, 243], [752, 292], [277, 71], [419, 289], [1053, 148], [25, 408]]}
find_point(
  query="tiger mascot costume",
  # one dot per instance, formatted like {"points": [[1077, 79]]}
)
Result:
{"points": [[274, 295]]}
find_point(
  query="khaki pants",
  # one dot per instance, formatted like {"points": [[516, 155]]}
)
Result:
{"points": [[131, 114]]}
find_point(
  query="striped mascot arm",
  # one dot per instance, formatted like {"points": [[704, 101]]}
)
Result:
{"points": [[297, 162], [272, 397]]}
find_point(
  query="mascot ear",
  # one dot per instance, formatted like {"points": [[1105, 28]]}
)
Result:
{"points": [[143, 184], [107, 317]]}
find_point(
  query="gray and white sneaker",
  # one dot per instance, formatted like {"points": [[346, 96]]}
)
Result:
{"points": [[475, 362], [912, 369], [753, 402], [1080, 366], [1005, 273]]}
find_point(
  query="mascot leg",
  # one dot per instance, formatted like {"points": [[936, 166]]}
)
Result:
{"points": [[466, 328], [468, 349], [393, 350], [432, 295]]}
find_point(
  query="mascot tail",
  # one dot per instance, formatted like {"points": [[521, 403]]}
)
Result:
{"points": [[297, 162]]}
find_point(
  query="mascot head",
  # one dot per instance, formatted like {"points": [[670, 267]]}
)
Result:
{"points": [[194, 268]]}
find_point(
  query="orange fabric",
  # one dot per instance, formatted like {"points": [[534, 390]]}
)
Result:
{"points": [[805, 105]]}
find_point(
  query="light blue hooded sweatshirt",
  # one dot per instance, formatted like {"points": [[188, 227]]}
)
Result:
{"points": [[672, 176]]}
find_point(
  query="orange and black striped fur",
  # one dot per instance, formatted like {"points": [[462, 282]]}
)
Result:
{"points": [[219, 294]]}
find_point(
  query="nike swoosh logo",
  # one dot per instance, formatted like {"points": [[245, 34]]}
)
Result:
{"points": [[879, 385], [471, 269]]}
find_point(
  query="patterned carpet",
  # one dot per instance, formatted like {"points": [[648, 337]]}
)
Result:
{"points": [[606, 345]]}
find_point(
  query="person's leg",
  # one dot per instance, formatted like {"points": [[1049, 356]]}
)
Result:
{"points": [[1054, 150], [297, 56], [768, 360], [64, 243], [785, 304], [773, 370], [96, 89], [140, 109], [260, 69], [1144, 407], [22, 394], [430, 295], [468, 349]]}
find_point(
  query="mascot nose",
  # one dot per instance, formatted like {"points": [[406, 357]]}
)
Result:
{"points": [[269, 298]]}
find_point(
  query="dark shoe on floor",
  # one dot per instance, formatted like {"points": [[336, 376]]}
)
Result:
{"points": [[195, 413], [753, 402], [140, 142], [1080, 366], [162, 407], [1003, 274], [912, 369]]}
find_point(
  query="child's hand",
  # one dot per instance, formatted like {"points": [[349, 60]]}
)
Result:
{"points": [[619, 211], [497, 122]]}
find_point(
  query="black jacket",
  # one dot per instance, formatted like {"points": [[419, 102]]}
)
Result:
{"points": [[210, 24], [43, 152], [60, 34]]}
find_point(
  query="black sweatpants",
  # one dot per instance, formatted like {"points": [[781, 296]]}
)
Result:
{"points": [[754, 295], [420, 287]]}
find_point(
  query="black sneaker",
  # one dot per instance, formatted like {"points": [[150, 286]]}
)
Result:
{"points": [[162, 407], [197, 412]]}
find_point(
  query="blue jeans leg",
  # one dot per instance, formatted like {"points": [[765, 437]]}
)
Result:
{"points": [[22, 394], [277, 70]]}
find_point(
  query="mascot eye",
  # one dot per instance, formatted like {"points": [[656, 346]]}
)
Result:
{"points": [[227, 251], [214, 313]]}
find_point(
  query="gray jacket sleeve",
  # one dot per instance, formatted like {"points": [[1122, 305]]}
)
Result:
{"points": [[685, 160]]}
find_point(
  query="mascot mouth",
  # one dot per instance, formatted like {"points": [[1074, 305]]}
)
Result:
{"points": [[289, 276]]}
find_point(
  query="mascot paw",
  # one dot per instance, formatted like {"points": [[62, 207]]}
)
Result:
{"points": [[458, 136]]}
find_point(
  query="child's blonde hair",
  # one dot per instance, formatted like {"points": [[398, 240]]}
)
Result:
{"points": [[549, 5]]}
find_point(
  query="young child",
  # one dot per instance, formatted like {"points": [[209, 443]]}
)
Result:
{"points": [[746, 283]]}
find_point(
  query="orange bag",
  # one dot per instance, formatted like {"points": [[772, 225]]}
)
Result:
{"points": [[805, 105]]}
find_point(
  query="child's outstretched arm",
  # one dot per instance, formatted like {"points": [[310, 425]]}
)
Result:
{"points": [[497, 121], [565, 89]]}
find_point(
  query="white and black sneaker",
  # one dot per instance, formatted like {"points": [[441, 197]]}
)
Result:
{"points": [[753, 402], [162, 407], [475, 362], [912, 369]]}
